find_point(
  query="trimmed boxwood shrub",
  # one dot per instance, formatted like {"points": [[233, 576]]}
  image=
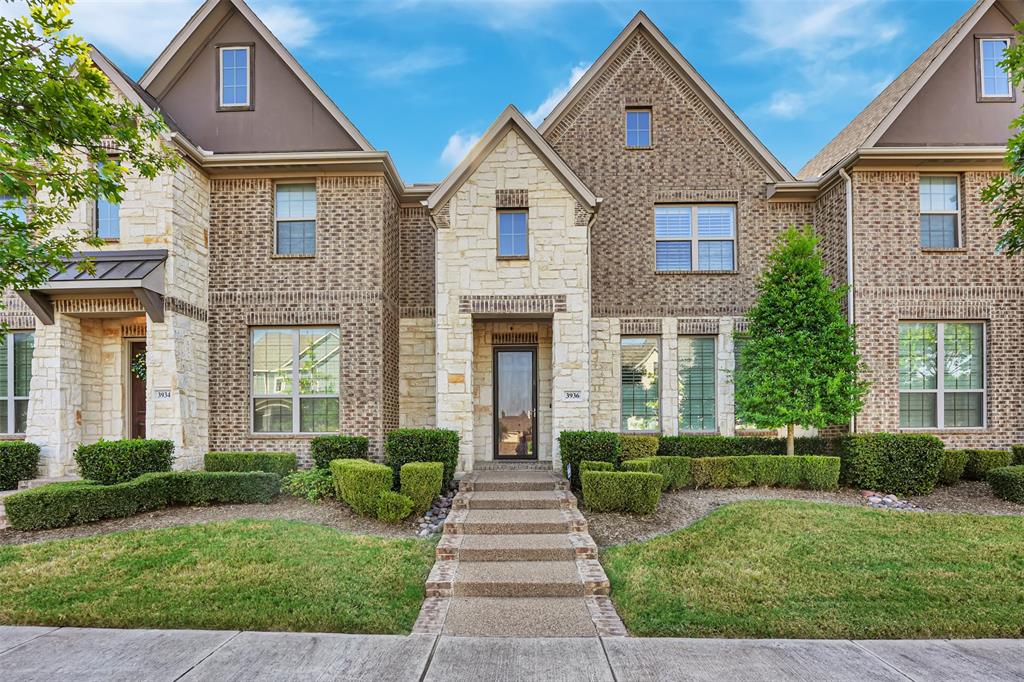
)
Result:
{"points": [[899, 463], [596, 446], [324, 449], [675, 471], [952, 469], [19, 461], [280, 463], [359, 483], [630, 491], [421, 483], [637, 447], [392, 507], [422, 445], [692, 445], [1018, 454], [68, 504], [589, 465], [118, 461], [1008, 483], [980, 462], [799, 471]]}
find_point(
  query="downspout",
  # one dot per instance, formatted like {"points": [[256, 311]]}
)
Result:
{"points": [[590, 312], [849, 261]]}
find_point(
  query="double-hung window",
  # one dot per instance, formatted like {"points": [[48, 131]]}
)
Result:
{"points": [[993, 81], [296, 375], [107, 215], [641, 400], [296, 219], [690, 238], [638, 127], [942, 374], [513, 233], [697, 389], [15, 379], [940, 211], [235, 74]]}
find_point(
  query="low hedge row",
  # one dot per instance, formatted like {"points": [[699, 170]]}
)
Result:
{"points": [[280, 463], [799, 471], [118, 461], [1018, 454], [421, 445], [68, 504], [675, 471], [980, 462], [734, 446], [637, 447], [588, 465], [594, 446], [636, 492], [421, 483], [1008, 483], [900, 463], [325, 449], [952, 468], [19, 461]]}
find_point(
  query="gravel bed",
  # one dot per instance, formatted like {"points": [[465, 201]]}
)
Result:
{"points": [[679, 509], [329, 513]]}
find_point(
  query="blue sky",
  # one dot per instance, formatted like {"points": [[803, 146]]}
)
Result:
{"points": [[421, 78]]}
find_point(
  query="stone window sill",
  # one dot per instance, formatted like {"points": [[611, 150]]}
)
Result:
{"points": [[292, 436], [696, 272], [952, 249], [645, 148], [507, 259], [293, 256], [965, 431]]}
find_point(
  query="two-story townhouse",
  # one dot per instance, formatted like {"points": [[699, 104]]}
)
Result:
{"points": [[588, 273]]}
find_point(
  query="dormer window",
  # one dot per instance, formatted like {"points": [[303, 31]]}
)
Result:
{"points": [[993, 81], [235, 76]]}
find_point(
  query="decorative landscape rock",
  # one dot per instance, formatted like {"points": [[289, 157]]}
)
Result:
{"points": [[432, 521], [881, 501]]}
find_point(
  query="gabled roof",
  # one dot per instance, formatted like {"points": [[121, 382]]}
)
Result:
{"points": [[642, 23], [869, 125], [511, 119], [131, 89], [163, 72]]}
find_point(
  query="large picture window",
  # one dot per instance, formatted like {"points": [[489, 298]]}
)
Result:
{"points": [[942, 374], [296, 375], [641, 401], [15, 378], [697, 389], [692, 238]]}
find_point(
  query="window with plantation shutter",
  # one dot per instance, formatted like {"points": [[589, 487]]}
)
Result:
{"points": [[694, 238]]}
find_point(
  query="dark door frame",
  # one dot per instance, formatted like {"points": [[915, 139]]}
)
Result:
{"points": [[133, 395], [533, 417]]}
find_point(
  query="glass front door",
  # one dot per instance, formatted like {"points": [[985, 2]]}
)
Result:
{"points": [[515, 403]]}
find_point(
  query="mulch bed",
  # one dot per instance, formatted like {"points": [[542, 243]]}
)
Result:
{"points": [[680, 509], [329, 513]]}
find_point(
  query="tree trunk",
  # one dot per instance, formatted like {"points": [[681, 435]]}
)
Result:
{"points": [[790, 443]]}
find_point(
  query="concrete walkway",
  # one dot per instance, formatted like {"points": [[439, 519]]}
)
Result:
{"points": [[39, 653]]}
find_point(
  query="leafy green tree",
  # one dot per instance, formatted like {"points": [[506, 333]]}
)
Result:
{"points": [[65, 137], [1005, 193], [799, 361]]}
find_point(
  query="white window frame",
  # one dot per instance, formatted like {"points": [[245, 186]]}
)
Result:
{"points": [[10, 398], [296, 396], [940, 377], [981, 69], [278, 221], [694, 239], [650, 126], [248, 76], [957, 231], [679, 398]]}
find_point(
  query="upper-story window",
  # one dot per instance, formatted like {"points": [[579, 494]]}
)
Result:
{"points": [[107, 215], [296, 219], [14, 206], [940, 211], [513, 234], [993, 81], [681, 248], [235, 76], [638, 127]]}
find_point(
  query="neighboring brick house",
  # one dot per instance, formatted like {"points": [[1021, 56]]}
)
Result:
{"points": [[589, 273]]}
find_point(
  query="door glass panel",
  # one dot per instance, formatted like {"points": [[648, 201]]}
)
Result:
{"points": [[515, 410]]}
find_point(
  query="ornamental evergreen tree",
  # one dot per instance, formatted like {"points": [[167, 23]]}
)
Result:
{"points": [[799, 363]]}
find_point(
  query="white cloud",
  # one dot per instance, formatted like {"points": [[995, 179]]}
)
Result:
{"points": [[291, 25], [555, 96], [458, 146], [420, 61], [786, 104]]}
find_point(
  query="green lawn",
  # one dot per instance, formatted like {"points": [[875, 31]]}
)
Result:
{"points": [[252, 575], [807, 570]]}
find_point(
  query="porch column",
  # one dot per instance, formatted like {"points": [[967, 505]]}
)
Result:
{"points": [[669, 380], [55, 403], [726, 358], [570, 377], [454, 353]]}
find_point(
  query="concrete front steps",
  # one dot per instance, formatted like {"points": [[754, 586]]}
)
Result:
{"points": [[516, 560]]}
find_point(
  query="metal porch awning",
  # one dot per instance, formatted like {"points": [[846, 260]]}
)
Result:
{"points": [[140, 273]]}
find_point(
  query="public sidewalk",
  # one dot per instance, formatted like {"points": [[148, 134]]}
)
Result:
{"points": [[80, 654]]}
